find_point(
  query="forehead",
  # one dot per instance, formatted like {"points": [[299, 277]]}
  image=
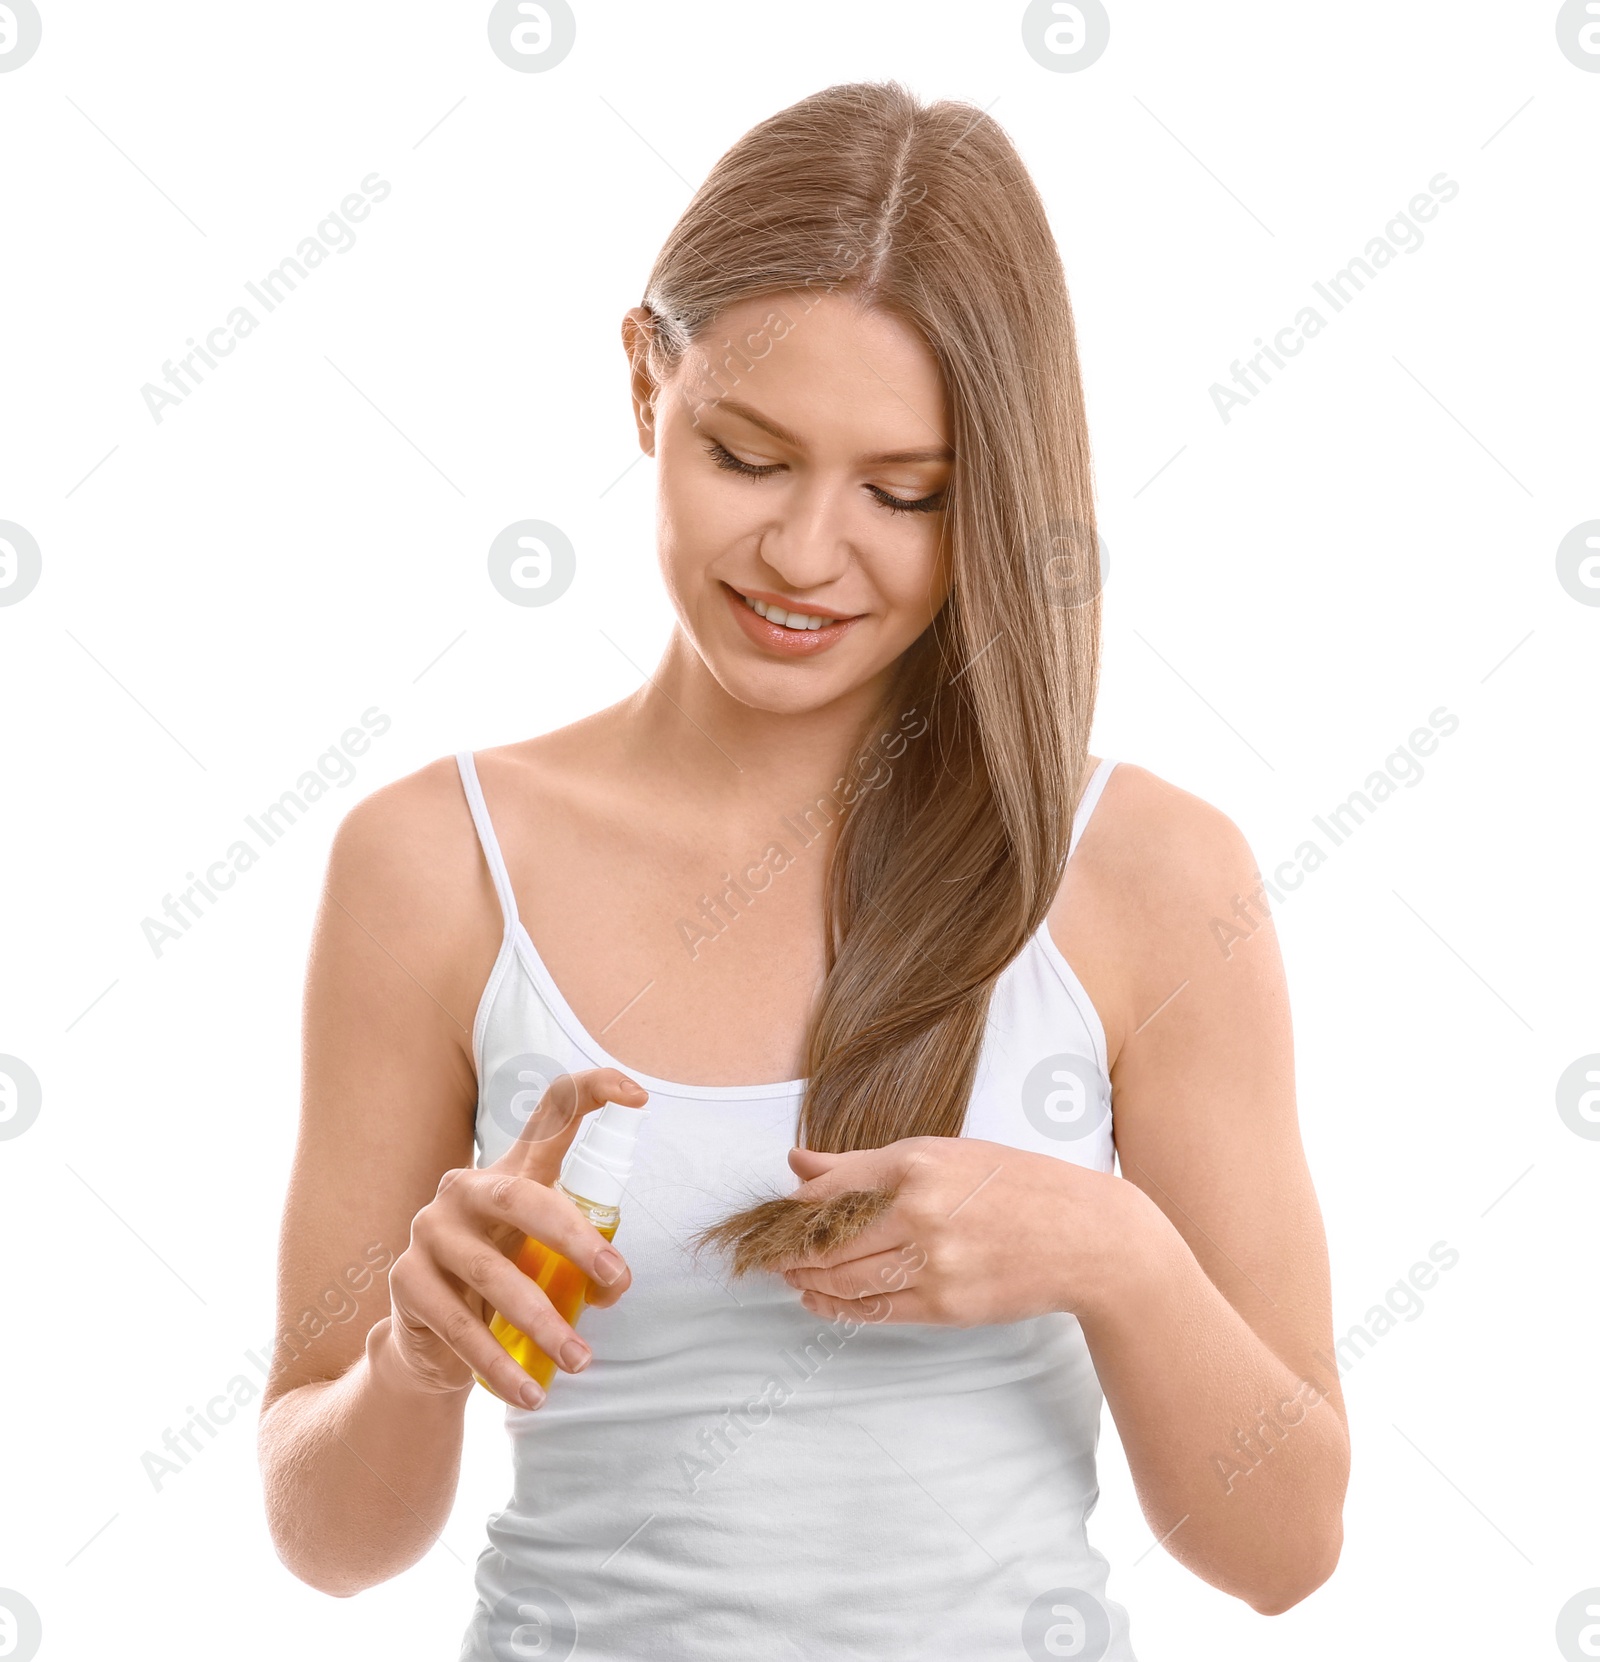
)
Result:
{"points": [[832, 372]]}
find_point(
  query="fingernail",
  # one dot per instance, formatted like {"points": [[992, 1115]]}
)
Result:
{"points": [[575, 1354], [532, 1394], [610, 1266]]}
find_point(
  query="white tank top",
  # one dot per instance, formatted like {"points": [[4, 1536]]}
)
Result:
{"points": [[734, 1479]]}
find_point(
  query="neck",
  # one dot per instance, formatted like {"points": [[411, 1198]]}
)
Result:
{"points": [[685, 729]]}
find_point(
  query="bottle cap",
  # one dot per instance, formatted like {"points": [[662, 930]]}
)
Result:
{"points": [[601, 1157]]}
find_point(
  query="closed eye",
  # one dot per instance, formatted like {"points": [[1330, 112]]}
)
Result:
{"points": [[899, 505], [726, 458], [895, 504]]}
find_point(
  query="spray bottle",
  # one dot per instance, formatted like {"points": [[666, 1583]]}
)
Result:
{"points": [[593, 1176]]}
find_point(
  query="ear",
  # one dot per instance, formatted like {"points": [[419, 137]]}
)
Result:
{"points": [[643, 387]]}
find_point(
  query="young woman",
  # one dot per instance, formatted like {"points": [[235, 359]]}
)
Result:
{"points": [[846, 843]]}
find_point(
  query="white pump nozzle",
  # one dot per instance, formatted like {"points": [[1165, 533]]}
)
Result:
{"points": [[601, 1157]]}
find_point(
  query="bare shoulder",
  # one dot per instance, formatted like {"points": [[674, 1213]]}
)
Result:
{"points": [[406, 870], [408, 865], [1162, 843], [1150, 897], [402, 848]]}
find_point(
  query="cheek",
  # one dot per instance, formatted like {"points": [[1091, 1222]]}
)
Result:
{"points": [[698, 514], [911, 573]]}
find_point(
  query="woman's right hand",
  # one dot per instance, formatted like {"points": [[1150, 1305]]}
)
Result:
{"points": [[458, 1269]]}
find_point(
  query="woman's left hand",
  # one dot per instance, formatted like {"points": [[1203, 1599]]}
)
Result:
{"points": [[979, 1232]]}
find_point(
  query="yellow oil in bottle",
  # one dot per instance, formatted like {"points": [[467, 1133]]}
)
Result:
{"points": [[561, 1281]]}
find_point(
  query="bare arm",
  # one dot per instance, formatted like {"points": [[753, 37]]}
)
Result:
{"points": [[1212, 1333], [361, 1425]]}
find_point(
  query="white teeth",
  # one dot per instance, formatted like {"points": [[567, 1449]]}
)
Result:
{"points": [[788, 620]]}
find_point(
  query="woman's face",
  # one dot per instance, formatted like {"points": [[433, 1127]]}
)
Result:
{"points": [[803, 454]]}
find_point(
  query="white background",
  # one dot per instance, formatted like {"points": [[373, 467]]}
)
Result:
{"points": [[1291, 593]]}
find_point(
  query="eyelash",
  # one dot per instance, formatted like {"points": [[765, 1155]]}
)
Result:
{"points": [[724, 458]]}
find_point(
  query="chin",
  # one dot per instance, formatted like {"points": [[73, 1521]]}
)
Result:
{"points": [[779, 689]]}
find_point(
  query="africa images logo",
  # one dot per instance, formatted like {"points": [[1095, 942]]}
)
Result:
{"points": [[20, 562], [20, 33]]}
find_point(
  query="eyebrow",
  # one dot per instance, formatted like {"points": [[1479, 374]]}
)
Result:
{"points": [[936, 453]]}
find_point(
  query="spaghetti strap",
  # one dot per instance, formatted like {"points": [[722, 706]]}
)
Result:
{"points": [[486, 837], [1086, 803]]}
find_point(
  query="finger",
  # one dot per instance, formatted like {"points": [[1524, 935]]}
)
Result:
{"points": [[516, 1296], [544, 1139], [494, 1198], [437, 1307], [823, 1174], [877, 1272], [861, 1168], [807, 1163], [880, 1309]]}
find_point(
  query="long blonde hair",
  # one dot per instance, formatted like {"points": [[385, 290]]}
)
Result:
{"points": [[940, 874]]}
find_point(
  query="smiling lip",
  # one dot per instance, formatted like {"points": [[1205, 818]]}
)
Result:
{"points": [[789, 643]]}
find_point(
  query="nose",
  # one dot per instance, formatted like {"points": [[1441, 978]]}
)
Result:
{"points": [[805, 545]]}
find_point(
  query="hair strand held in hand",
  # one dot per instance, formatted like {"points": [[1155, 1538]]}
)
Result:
{"points": [[779, 1231]]}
